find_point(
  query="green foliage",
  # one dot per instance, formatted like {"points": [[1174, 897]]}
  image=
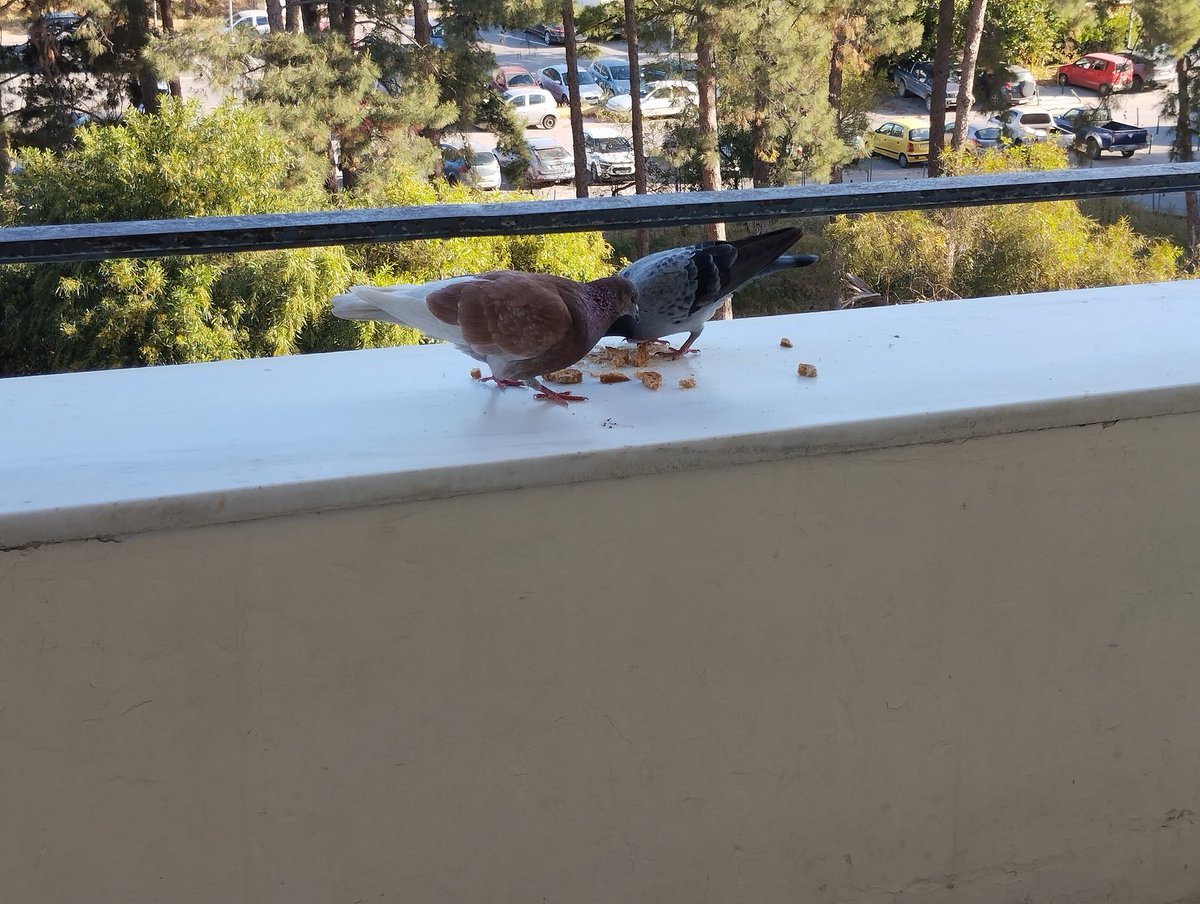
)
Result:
{"points": [[997, 250], [122, 313], [580, 255]]}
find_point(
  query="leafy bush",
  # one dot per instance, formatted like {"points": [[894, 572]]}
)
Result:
{"points": [[1000, 249]]}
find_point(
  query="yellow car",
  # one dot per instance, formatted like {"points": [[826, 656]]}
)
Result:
{"points": [[905, 139]]}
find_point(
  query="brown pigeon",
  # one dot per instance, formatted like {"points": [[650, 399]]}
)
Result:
{"points": [[521, 325]]}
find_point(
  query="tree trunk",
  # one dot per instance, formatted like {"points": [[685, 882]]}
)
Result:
{"points": [[274, 15], [291, 15], [941, 75], [640, 183], [576, 108], [167, 17], [139, 32], [422, 30], [310, 18], [335, 9], [710, 159], [966, 85], [5, 154], [837, 65], [1183, 141], [349, 21], [761, 172]]}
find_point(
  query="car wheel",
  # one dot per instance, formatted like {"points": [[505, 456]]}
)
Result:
{"points": [[903, 161], [1062, 80], [929, 102], [1104, 90], [1126, 154], [1093, 148], [595, 174], [546, 38], [1138, 84], [548, 121], [900, 89]]}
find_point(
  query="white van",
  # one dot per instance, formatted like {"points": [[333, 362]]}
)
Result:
{"points": [[609, 153], [534, 106]]}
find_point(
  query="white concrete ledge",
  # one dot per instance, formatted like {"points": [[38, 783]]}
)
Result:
{"points": [[122, 452]]}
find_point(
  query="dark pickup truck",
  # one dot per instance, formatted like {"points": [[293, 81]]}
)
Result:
{"points": [[1095, 133]]}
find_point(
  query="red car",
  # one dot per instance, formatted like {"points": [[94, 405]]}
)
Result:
{"points": [[1104, 73]]}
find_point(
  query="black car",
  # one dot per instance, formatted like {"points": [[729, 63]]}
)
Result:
{"points": [[1006, 85], [551, 34]]}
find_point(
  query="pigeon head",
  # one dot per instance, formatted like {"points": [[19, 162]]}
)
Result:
{"points": [[614, 299]]}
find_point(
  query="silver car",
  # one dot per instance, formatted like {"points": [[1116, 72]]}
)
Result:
{"points": [[551, 161], [554, 79], [609, 153], [612, 75]]}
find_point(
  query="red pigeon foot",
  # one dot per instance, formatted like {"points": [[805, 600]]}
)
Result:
{"points": [[559, 398], [501, 382]]}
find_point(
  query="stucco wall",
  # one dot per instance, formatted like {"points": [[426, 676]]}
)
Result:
{"points": [[957, 672]]}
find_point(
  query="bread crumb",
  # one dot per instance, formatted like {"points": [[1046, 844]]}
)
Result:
{"points": [[476, 373], [807, 370], [651, 379], [614, 376], [640, 356], [687, 383], [568, 376], [785, 342], [617, 357]]}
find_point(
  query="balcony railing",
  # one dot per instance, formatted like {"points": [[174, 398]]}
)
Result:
{"points": [[211, 235]]}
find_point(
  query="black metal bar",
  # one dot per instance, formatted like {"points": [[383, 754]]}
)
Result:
{"points": [[212, 235]]}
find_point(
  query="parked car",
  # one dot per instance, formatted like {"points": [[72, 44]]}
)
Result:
{"points": [[481, 170], [1094, 132], [547, 32], [506, 77], [437, 36], [551, 161], [554, 79], [658, 99], [1102, 72], [915, 77], [609, 153], [58, 24], [979, 138], [612, 75], [906, 139], [1021, 125], [670, 68], [1007, 84], [255, 19], [1150, 69], [533, 106]]}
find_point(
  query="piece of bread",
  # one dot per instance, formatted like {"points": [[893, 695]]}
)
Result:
{"points": [[785, 342], [613, 376], [568, 376], [476, 373], [651, 379], [807, 370], [687, 383]]}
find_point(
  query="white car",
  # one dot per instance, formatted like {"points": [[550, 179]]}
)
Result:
{"points": [[534, 106], [609, 153], [255, 19], [1030, 124], [554, 79], [658, 99]]}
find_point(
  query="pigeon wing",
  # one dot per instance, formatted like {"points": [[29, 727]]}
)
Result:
{"points": [[506, 313]]}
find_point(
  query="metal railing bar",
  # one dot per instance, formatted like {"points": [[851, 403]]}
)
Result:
{"points": [[215, 235]]}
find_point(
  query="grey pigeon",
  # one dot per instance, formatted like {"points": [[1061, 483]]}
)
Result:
{"points": [[680, 289], [521, 325]]}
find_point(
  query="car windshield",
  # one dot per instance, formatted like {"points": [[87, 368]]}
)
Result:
{"points": [[621, 71], [612, 145], [585, 77], [918, 135], [554, 153], [1035, 119], [483, 158]]}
